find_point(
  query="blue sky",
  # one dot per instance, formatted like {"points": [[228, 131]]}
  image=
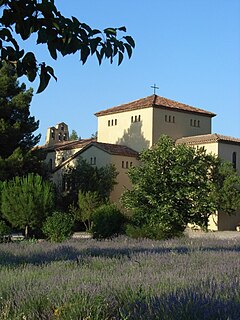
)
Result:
{"points": [[189, 48]]}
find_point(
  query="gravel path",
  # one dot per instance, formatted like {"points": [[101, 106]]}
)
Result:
{"points": [[228, 235]]}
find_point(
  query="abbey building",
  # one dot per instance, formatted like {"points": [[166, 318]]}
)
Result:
{"points": [[127, 129]]}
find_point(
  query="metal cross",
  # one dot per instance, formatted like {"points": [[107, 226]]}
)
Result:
{"points": [[154, 88]]}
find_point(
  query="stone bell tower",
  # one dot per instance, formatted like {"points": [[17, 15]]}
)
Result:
{"points": [[57, 134]]}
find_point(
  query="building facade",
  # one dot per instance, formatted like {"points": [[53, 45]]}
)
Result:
{"points": [[127, 129]]}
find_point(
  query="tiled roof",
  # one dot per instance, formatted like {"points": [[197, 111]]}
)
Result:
{"points": [[154, 101], [68, 145], [208, 138], [107, 147], [115, 149]]}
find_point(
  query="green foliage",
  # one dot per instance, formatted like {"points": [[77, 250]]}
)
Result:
{"points": [[85, 177], [60, 35], [5, 231], [226, 194], [4, 228], [58, 227], [176, 185], [26, 201], [156, 232], [17, 156], [108, 221], [73, 136], [87, 203]]}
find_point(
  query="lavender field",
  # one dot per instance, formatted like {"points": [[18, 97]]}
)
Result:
{"points": [[121, 279]]}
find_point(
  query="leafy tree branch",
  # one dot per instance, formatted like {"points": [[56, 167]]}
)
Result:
{"points": [[61, 35]]}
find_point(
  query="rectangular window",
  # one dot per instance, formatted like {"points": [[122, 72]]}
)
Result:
{"points": [[169, 119], [195, 123]]}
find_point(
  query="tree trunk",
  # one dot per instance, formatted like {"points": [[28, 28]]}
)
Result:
{"points": [[26, 231]]}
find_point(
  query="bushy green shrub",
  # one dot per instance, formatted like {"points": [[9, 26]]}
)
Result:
{"points": [[108, 221], [58, 227], [5, 230], [152, 232], [87, 203], [26, 201]]}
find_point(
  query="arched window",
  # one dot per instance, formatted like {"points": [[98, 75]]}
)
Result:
{"points": [[52, 134], [131, 118], [198, 123], [139, 118], [115, 122], [135, 118], [126, 164], [122, 164], [234, 160], [173, 119], [109, 123]]}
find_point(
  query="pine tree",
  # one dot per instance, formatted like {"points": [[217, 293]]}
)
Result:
{"points": [[16, 127], [26, 201], [73, 135]]}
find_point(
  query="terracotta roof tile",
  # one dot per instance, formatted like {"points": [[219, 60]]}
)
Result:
{"points": [[154, 101], [208, 138], [116, 149], [68, 145], [107, 147]]}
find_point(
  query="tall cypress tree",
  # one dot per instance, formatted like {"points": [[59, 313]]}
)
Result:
{"points": [[17, 140]]}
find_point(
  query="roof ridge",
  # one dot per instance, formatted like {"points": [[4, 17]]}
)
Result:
{"points": [[154, 101]]}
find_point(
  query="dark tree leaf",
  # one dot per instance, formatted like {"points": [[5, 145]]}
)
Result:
{"points": [[44, 79], [85, 51], [108, 50], [51, 72], [120, 58], [94, 44], [129, 49], [52, 49], [42, 36], [110, 31], [130, 41], [122, 29]]}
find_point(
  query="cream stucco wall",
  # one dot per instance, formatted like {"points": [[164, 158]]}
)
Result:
{"points": [[209, 147], [102, 158], [178, 124], [121, 128], [226, 152], [221, 220], [134, 134], [123, 180], [62, 155]]}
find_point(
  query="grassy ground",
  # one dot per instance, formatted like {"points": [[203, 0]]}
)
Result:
{"points": [[121, 279]]}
